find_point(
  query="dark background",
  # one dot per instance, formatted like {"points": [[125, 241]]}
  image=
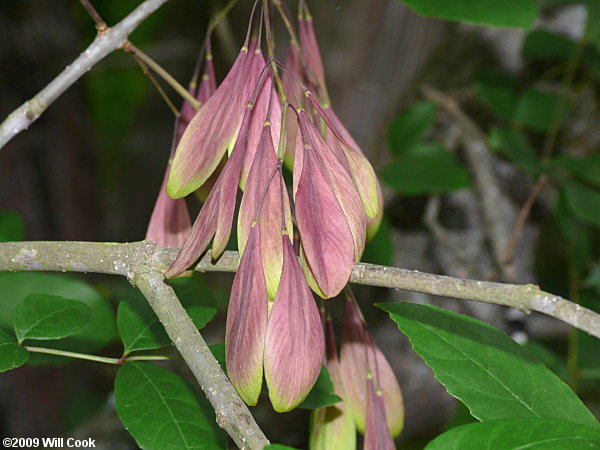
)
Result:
{"points": [[91, 166]]}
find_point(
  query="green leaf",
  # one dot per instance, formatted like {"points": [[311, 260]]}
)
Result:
{"points": [[583, 201], [541, 44], [218, 351], [484, 368], [98, 332], [196, 298], [11, 226], [321, 394], [588, 347], [12, 355], [139, 327], [410, 125], [538, 110], [586, 169], [505, 13], [497, 91], [548, 358], [592, 31], [592, 281], [278, 447], [43, 316], [164, 412], [513, 144], [380, 249], [555, 3], [427, 168], [578, 250], [513, 434], [550, 257], [122, 86]]}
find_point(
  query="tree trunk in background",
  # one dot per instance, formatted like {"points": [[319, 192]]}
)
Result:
{"points": [[372, 51]]}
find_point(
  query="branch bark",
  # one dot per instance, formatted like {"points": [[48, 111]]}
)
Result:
{"points": [[119, 259], [144, 264], [498, 214], [232, 413], [105, 43]]}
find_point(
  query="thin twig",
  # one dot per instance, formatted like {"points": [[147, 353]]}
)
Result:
{"points": [[100, 23], [522, 218], [104, 44], [129, 47], [144, 61], [120, 259], [157, 85]]}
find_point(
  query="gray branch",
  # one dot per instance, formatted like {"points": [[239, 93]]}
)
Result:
{"points": [[120, 259], [143, 264], [498, 214], [232, 413], [105, 43]]}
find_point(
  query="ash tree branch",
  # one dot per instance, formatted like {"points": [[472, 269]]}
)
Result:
{"points": [[119, 259], [526, 297], [107, 40], [143, 264], [232, 413]]}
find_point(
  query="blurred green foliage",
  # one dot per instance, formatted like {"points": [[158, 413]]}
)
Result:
{"points": [[11, 226], [528, 118], [99, 330], [425, 168], [506, 13]]}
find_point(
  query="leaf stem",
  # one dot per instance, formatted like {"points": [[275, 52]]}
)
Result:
{"points": [[101, 359], [150, 358], [52, 351]]}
